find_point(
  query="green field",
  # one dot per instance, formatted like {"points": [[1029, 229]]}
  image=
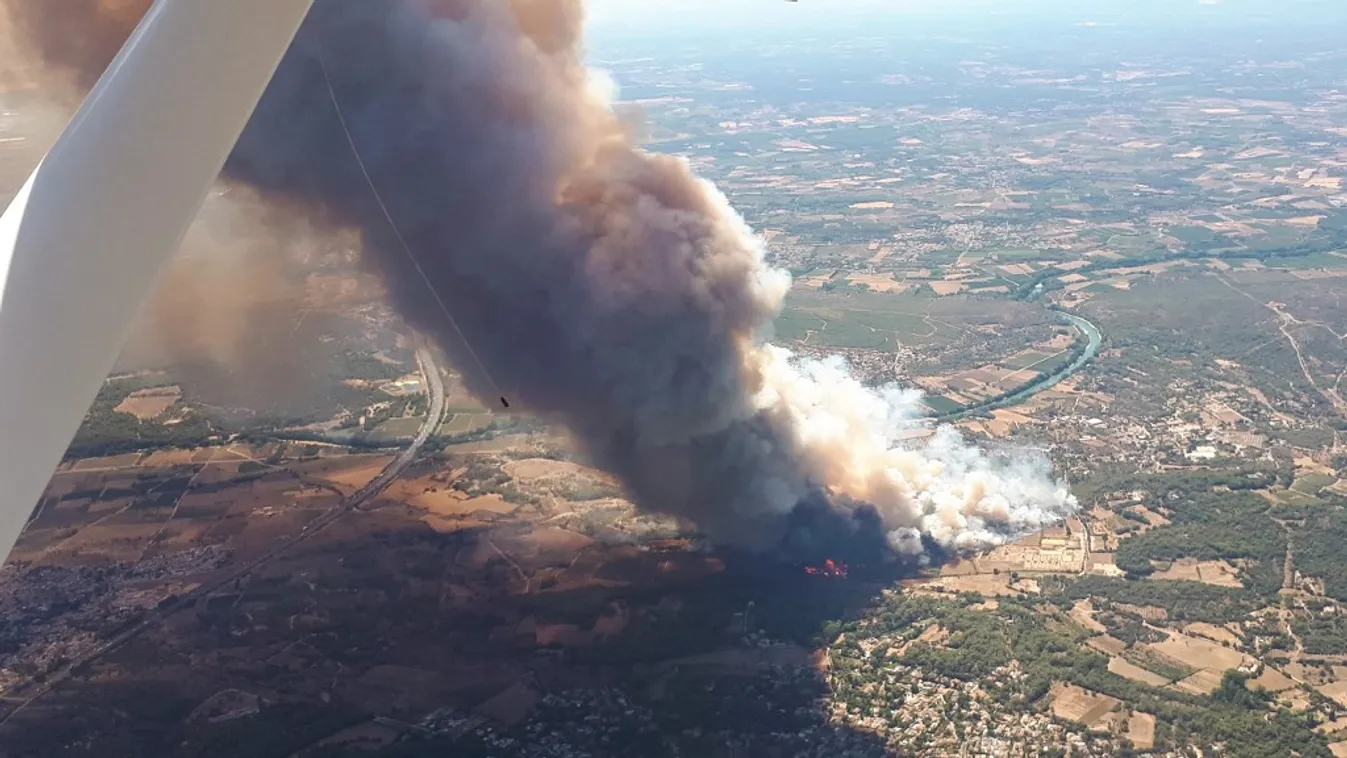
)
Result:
{"points": [[1276, 236], [940, 404], [397, 428], [1026, 359], [1128, 244], [464, 406], [464, 423], [1191, 234], [853, 333], [795, 325], [1297, 498], [1054, 364], [843, 327], [892, 321], [1018, 255], [1310, 484], [1311, 261]]}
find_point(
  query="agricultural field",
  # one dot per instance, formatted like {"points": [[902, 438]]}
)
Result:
{"points": [[962, 353]]}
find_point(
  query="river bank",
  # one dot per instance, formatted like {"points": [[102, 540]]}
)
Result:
{"points": [[1094, 339]]}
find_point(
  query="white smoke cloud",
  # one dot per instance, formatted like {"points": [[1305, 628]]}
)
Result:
{"points": [[867, 444]]}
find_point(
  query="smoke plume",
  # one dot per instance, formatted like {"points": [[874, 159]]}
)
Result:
{"points": [[233, 315], [598, 285], [236, 318]]}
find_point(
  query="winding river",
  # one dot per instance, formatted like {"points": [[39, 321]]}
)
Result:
{"points": [[1094, 339]]}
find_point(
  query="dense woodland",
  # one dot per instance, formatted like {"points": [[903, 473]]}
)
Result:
{"points": [[1319, 549], [1232, 526]]}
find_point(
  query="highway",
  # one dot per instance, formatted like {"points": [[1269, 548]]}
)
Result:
{"points": [[435, 387], [20, 695]]}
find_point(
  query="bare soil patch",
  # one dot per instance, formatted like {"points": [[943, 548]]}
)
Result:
{"points": [[441, 499], [880, 282], [958, 567], [546, 540], [991, 585], [207, 454], [149, 403], [1332, 727], [1011, 417], [1273, 680], [166, 458], [1152, 518], [1199, 653], [540, 548], [349, 473], [65, 482], [1083, 613], [450, 526], [1296, 699], [217, 473], [123, 542], [1201, 683], [1215, 633], [201, 504], [179, 534], [1335, 690], [1218, 573], [1004, 422], [1106, 643], [115, 461], [1080, 705], [104, 507], [441, 505], [1141, 730], [1130, 670], [500, 444], [542, 468]]}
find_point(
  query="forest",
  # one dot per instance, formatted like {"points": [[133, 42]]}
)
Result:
{"points": [[1229, 526], [1318, 550]]}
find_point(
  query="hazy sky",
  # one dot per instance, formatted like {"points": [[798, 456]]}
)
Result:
{"points": [[643, 17], [702, 11], [640, 15]]}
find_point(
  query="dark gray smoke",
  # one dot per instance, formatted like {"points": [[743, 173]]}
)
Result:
{"points": [[598, 285]]}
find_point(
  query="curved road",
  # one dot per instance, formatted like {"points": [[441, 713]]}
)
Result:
{"points": [[434, 387]]}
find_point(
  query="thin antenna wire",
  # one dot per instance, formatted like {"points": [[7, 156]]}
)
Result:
{"points": [[350, 140]]}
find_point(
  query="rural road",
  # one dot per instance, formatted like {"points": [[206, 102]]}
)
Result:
{"points": [[434, 386]]}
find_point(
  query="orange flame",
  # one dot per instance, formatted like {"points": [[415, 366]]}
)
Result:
{"points": [[830, 568]]}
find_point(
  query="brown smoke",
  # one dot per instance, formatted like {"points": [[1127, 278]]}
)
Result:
{"points": [[226, 313], [76, 37], [598, 285], [232, 316]]}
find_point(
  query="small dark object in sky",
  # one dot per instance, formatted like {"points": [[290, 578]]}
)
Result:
{"points": [[505, 402]]}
